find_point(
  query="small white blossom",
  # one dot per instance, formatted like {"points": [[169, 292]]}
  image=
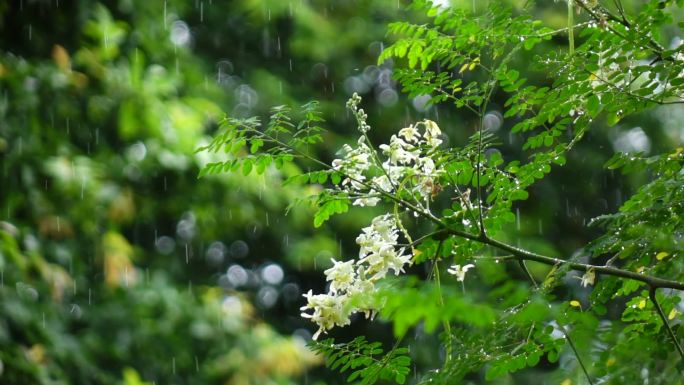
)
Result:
{"points": [[588, 278], [432, 133], [459, 271], [399, 151], [410, 133], [355, 163], [366, 201], [341, 275], [383, 183]]}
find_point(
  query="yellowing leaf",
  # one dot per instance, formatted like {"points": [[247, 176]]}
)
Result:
{"points": [[672, 314], [642, 304], [610, 362], [61, 57], [118, 267], [660, 256], [575, 303], [463, 68], [567, 381]]}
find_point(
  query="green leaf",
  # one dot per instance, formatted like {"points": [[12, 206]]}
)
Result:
{"points": [[247, 164], [593, 105]]}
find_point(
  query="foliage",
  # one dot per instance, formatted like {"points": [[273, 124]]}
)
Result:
{"points": [[113, 264], [464, 198], [361, 357]]}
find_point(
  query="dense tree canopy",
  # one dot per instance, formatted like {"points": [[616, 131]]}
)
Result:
{"points": [[451, 191]]}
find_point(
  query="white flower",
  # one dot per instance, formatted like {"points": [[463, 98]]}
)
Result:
{"points": [[399, 151], [410, 133], [427, 165], [383, 183], [356, 161], [432, 133], [425, 187], [459, 271], [329, 311], [341, 275], [384, 259], [589, 278], [366, 201]]}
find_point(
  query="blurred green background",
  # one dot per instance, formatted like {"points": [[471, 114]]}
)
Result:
{"points": [[117, 266]]}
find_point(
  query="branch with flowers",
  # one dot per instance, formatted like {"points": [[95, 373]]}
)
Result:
{"points": [[426, 188]]}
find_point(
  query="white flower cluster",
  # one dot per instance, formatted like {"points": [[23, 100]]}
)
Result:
{"points": [[408, 155], [352, 279]]}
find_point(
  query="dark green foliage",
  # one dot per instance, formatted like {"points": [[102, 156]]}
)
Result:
{"points": [[366, 361]]}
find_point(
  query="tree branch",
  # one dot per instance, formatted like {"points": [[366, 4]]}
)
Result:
{"points": [[670, 332], [524, 255]]}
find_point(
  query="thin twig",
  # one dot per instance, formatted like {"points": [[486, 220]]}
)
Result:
{"points": [[561, 327], [670, 332]]}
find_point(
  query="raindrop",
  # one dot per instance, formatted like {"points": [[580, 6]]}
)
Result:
{"points": [[291, 292], [267, 296], [272, 274], [76, 311], [319, 70], [420, 102], [492, 121], [216, 253], [246, 96], [385, 78], [180, 33], [237, 275], [165, 245], [232, 305], [388, 97], [355, 84], [186, 227], [136, 152], [371, 74]]}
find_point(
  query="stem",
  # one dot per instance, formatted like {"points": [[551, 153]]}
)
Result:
{"points": [[670, 332], [571, 26], [525, 255], [446, 324], [605, 15], [574, 350], [561, 327]]}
